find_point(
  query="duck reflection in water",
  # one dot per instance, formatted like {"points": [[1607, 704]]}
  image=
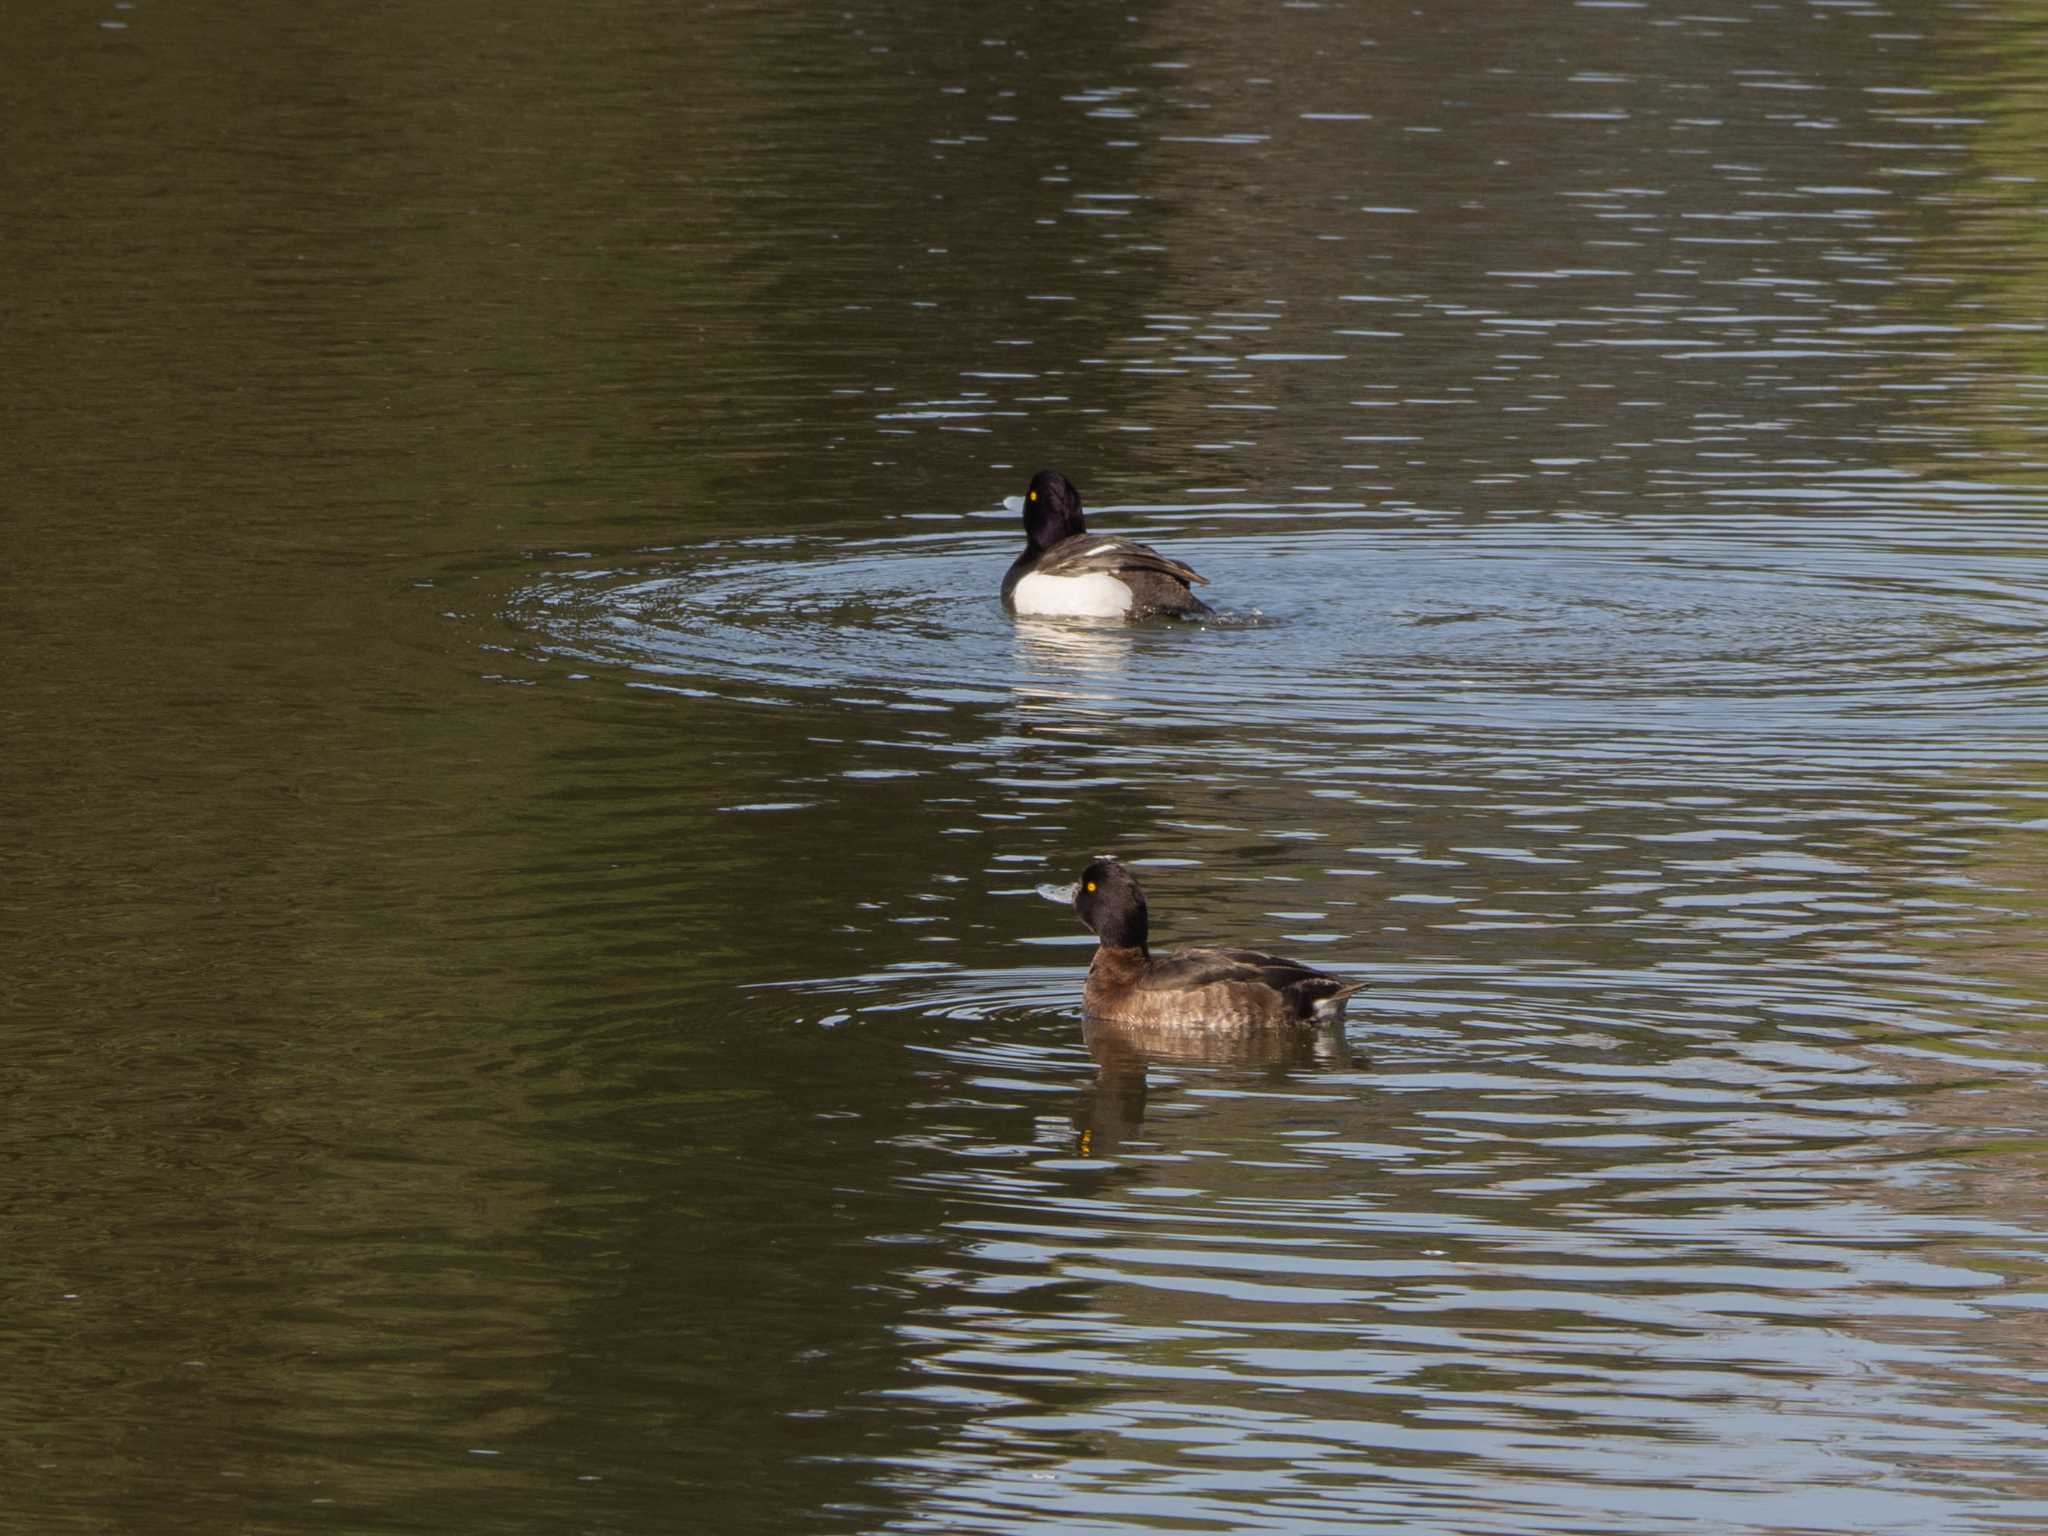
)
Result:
{"points": [[1113, 1111], [1074, 671], [1086, 648]]}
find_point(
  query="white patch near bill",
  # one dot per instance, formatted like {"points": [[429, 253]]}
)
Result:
{"points": [[1097, 595]]}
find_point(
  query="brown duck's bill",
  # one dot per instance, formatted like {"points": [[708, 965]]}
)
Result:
{"points": [[1063, 894]]}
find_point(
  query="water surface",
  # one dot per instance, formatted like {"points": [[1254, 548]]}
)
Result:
{"points": [[527, 1004]]}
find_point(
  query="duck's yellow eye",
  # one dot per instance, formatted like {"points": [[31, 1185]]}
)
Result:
{"points": [[1034, 495], [1091, 885]]}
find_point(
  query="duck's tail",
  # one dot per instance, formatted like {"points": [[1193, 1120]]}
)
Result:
{"points": [[1329, 1008]]}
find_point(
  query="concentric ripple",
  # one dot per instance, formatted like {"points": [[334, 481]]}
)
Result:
{"points": [[1334, 620]]}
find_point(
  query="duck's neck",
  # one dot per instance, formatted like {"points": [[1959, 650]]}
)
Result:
{"points": [[1117, 962]]}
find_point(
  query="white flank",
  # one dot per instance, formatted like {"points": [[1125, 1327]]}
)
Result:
{"points": [[1097, 595]]}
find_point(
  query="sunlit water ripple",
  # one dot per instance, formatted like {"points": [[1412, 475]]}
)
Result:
{"points": [[1623, 1176], [1570, 1232]]}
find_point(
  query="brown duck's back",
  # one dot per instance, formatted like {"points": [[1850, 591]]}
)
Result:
{"points": [[1209, 987]]}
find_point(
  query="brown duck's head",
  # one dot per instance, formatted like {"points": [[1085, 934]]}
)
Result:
{"points": [[1109, 901]]}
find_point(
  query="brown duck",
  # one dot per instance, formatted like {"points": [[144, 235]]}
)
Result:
{"points": [[1215, 988]]}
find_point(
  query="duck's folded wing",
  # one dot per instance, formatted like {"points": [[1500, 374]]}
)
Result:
{"points": [[1085, 552], [1188, 968]]}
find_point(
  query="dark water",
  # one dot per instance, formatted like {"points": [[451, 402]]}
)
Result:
{"points": [[525, 1004]]}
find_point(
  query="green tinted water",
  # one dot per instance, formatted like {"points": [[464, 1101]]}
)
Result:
{"points": [[525, 1004]]}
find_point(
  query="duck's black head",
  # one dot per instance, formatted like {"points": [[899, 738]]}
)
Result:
{"points": [[1108, 901], [1052, 509]]}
